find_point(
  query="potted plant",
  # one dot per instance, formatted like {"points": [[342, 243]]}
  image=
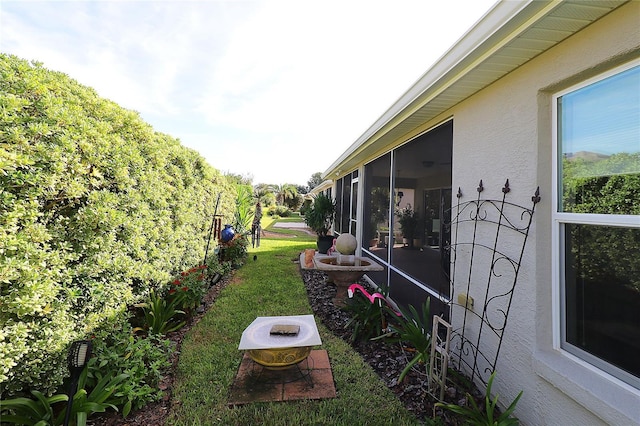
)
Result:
{"points": [[319, 217], [408, 219]]}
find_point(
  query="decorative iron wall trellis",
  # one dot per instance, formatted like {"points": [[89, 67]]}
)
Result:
{"points": [[488, 239]]}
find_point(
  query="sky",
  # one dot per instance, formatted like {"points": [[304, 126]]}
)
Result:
{"points": [[271, 90]]}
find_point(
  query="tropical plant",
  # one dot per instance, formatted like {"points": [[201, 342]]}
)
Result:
{"points": [[243, 215], [368, 319], [234, 253], [414, 329], [285, 192], [264, 194], [487, 415], [320, 215], [279, 211], [42, 410], [160, 314], [26, 411], [98, 400], [408, 219]]}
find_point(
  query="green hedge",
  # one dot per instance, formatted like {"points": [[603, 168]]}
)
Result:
{"points": [[96, 209]]}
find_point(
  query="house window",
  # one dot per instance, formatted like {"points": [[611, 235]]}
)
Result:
{"points": [[597, 221]]}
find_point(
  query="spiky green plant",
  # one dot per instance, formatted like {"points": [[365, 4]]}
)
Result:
{"points": [[367, 319], [413, 328], [474, 415]]}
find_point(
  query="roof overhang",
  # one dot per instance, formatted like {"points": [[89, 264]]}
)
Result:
{"points": [[324, 185], [510, 34]]}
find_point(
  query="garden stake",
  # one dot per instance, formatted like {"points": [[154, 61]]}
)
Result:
{"points": [[213, 220], [255, 227]]}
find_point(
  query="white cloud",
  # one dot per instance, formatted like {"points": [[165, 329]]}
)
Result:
{"points": [[249, 84]]}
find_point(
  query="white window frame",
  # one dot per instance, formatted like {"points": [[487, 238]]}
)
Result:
{"points": [[559, 219]]}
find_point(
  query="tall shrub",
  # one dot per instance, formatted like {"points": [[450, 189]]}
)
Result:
{"points": [[96, 210]]}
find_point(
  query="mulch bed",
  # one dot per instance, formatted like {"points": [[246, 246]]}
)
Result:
{"points": [[388, 360]]}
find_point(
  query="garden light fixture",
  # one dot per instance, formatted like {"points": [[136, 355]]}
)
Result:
{"points": [[79, 355]]}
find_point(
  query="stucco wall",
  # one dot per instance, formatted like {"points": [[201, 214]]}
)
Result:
{"points": [[503, 132]]}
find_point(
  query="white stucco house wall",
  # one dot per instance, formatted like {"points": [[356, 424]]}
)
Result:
{"points": [[499, 105]]}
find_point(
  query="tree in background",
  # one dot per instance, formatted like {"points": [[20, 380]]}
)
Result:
{"points": [[294, 203], [315, 180], [285, 192], [239, 179], [302, 189], [264, 193]]}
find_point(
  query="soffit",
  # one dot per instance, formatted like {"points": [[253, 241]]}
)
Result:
{"points": [[526, 34]]}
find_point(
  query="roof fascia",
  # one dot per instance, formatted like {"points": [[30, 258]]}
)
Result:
{"points": [[503, 22]]}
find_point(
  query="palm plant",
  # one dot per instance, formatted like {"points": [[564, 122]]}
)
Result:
{"points": [[264, 194], [319, 217], [413, 328], [285, 192], [485, 416], [367, 319], [243, 215], [160, 314]]}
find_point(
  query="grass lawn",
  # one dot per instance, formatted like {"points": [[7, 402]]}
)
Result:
{"points": [[209, 358]]}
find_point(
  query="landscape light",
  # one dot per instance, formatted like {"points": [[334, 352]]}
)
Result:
{"points": [[79, 355]]}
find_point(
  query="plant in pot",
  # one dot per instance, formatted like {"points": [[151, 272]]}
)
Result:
{"points": [[319, 217], [408, 219]]}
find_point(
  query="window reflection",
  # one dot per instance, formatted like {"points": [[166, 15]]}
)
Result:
{"points": [[599, 134], [598, 172], [603, 293]]}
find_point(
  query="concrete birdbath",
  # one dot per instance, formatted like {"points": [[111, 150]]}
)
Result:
{"points": [[284, 348], [344, 271]]}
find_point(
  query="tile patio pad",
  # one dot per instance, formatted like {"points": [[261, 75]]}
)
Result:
{"points": [[255, 384]]}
